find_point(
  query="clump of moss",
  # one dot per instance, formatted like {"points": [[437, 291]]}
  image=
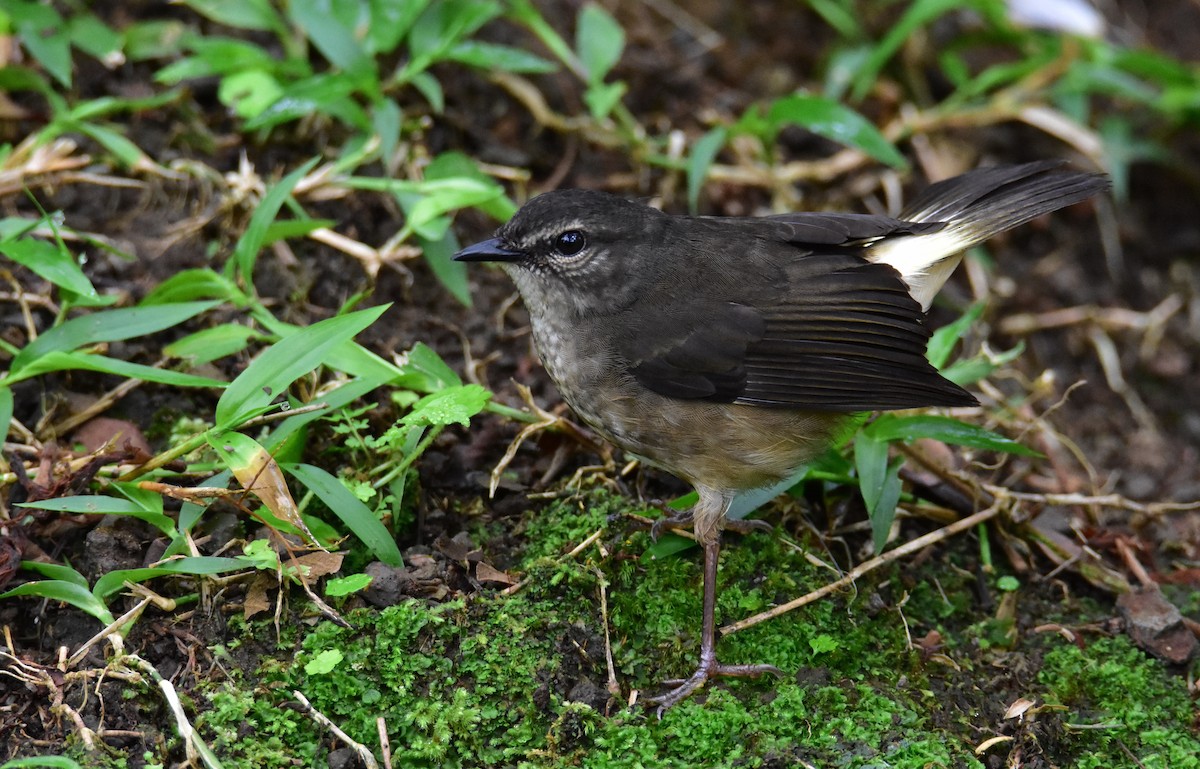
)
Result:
{"points": [[1130, 699]]}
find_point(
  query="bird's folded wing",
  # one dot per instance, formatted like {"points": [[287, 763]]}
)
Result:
{"points": [[842, 335]]}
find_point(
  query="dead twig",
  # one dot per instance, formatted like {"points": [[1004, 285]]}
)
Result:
{"points": [[364, 754], [867, 567]]}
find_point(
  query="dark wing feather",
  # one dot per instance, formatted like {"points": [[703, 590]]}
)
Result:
{"points": [[829, 332]]}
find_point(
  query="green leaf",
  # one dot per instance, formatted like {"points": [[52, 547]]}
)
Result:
{"points": [[603, 97], [390, 22], [190, 285], [359, 518], [329, 25], [252, 240], [92, 36], [107, 326], [492, 56], [41, 762], [941, 344], [126, 152], [112, 582], [287, 360], [40, 30], [324, 662], [836, 122], [871, 463], [424, 371], [212, 343], [453, 405], [704, 152], [98, 505], [56, 571], [6, 411], [49, 261], [67, 592], [823, 643], [336, 587], [918, 14], [243, 14], [439, 255], [599, 40], [249, 93], [891, 427], [79, 361]]}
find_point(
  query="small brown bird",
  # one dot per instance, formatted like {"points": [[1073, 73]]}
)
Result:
{"points": [[729, 351]]}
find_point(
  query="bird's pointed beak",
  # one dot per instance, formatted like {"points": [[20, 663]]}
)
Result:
{"points": [[491, 250]]}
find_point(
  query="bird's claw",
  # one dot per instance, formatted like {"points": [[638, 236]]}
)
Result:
{"points": [[682, 689]]}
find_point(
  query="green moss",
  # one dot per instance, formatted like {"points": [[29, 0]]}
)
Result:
{"points": [[483, 682], [1135, 703]]}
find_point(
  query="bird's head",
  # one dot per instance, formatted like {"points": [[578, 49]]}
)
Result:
{"points": [[578, 250]]}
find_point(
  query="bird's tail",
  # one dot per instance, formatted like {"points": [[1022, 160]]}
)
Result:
{"points": [[974, 207]]}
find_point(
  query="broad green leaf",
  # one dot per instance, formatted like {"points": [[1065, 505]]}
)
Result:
{"points": [[51, 262], [56, 571], [67, 592], [704, 152], [112, 582], [249, 93], [424, 371], [444, 24], [217, 56], [390, 22], [243, 14], [871, 463], [452, 405], [599, 40], [336, 587], [245, 253], [270, 374], [941, 344], [98, 505], [212, 343], [79, 361], [492, 56], [92, 36], [108, 326], [324, 662], [892, 427], [601, 98], [441, 196], [456, 165], [40, 31], [359, 518], [329, 25], [883, 512], [836, 122]]}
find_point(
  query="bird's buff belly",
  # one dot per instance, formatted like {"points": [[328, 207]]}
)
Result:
{"points": [[719, 445]]}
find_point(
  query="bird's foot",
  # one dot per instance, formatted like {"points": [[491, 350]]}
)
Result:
{"points": [[682, 689], [682, 519]]}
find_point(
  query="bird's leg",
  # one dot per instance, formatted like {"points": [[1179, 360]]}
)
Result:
{"points": [[679, 519], [709, 667]]}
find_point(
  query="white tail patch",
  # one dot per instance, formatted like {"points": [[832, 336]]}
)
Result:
{"points": [[924, 261]]}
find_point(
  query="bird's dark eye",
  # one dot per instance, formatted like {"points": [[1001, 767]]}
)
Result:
{"points": [[570, 243]]}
